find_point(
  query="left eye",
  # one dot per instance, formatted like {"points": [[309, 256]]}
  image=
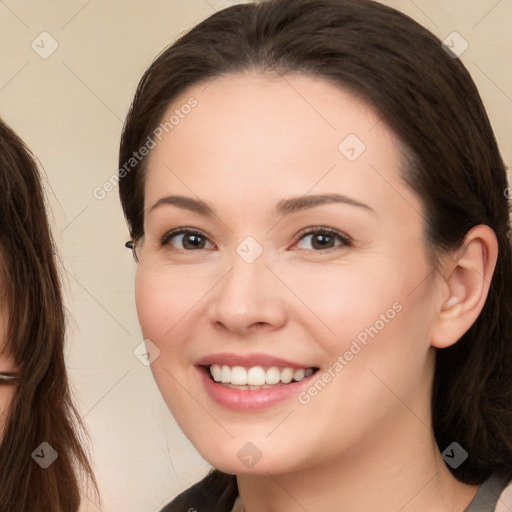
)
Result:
{"points": [[323, 238]]}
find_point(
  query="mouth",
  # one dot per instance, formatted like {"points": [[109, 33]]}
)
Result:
{"points": [[256, 378]]}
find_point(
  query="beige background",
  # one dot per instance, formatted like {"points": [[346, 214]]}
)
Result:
{"points": [[69, 108]]}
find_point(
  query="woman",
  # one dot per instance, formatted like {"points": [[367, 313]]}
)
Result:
{"points": [[42, 460], [316, 203]]}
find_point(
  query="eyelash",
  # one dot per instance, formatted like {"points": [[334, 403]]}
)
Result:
{"points": [[345, 240]]}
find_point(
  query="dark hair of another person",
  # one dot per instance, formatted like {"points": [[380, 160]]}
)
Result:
{"points": [[451, 162], [41, 409]]}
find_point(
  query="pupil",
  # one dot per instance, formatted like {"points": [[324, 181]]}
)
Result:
{"points": [[318, 239], [193, 245]]}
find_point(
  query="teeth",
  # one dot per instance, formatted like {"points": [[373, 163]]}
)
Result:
{"points": [[273, 375], [256, 375], [216, 372], [225, 375], [238, 375], [299, 374], [286, 375]]}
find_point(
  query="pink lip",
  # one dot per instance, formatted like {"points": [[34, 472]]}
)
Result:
{"points": [[249, 360], [250, 400]]}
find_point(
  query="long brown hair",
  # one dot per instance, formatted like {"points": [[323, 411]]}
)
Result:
{"points": [[428, 98], [42, 410]]}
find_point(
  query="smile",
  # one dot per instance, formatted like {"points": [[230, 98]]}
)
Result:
{"points": [[253, 397], [257, 377]]}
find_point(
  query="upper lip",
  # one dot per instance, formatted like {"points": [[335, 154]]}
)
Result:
{"points": [[248, 360]]}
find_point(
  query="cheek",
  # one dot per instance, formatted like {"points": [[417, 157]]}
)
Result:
{"points": [[161, 302], [162, 312], [6, 397], [381, 336], [150, 302], [7, 391], [377, 314], [338, 303], [170, 305]]}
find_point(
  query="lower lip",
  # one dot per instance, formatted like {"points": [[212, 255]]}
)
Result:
{"points": [[246, 399]]}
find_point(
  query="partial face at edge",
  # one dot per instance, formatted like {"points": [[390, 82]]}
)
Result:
{"points": [[7, 364], [249, 143]]}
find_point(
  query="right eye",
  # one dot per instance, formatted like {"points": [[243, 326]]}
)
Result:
{"points": [[187, 239]]}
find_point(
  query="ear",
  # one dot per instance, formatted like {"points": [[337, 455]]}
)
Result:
{"points": [[466, 278]]}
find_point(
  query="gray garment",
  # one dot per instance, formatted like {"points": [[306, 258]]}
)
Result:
{"points": [[487, 496], [485, 499], [218, 492]]}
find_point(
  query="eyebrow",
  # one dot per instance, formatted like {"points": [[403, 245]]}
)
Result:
{"points": [[283, 207]]}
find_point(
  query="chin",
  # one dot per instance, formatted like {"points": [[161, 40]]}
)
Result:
{"points": [[242, 457]]}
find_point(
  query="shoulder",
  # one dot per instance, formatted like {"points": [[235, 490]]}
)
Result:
{"points": [[216, 492], [500, 492], [490, 495]]}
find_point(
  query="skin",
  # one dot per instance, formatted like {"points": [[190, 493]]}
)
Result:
{"points": [[7, 364], [365, 442]]}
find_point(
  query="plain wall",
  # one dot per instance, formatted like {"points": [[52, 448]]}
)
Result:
{"points": [[69, 108]]}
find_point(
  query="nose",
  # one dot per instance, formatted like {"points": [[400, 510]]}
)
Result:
{"points": [[250, 298]]}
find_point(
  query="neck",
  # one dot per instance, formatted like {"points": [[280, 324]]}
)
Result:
{"points": [[401, 469]]}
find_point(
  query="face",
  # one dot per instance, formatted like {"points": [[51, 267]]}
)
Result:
{"points": [[7, 364], [310, 255]]}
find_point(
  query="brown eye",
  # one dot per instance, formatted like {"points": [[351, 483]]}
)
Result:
{"points": [[185, 239], [324, 238]]}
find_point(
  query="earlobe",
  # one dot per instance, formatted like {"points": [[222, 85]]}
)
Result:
{"points": [[468, 277]]}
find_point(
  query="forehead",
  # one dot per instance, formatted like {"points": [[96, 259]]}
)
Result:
{"points": [[276, 110], [277, 135]]}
